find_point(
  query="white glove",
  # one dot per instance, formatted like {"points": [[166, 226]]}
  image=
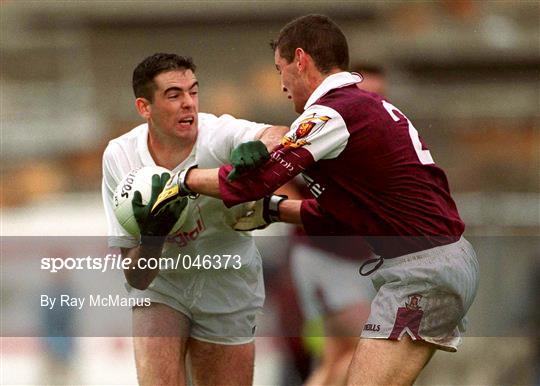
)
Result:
{"points": [[260, 214]]}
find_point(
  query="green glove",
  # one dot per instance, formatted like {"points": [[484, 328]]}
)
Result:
{"points": [[160, 223], [247, 156]]}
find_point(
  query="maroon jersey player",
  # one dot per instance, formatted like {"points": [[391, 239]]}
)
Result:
{"points": [[373, 177], [367, 168]]}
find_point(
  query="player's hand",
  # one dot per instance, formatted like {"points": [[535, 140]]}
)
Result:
{"points": [[159, 223], [247, 156], [253, 218], [174, 189], [260, 214]]}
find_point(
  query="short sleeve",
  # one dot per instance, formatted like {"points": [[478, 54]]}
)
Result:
{"points": [[222, 134], [320, 130], [112, 175]]}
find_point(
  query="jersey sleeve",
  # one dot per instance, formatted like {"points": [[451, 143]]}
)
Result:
{"points": [[284, 164], [320, 130], [319, 133], [112, 175], [226, 132]]}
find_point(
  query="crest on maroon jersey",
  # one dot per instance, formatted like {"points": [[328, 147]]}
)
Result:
{"points": [[304, 129], [306, 126], [414, 302]]}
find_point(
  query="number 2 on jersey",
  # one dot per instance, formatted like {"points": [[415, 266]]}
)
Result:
{"points": [[423, 155]]}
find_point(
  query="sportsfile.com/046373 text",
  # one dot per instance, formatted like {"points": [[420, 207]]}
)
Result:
{"points": [[116, 262]]}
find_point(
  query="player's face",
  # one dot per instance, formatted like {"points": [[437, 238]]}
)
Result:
{"points": [[173, 112], [291, 82]]}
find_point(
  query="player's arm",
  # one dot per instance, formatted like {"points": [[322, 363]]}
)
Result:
{"points": [[319, 133], [118, 237], [283, 206], [275, 208], [283, 165], [270, 209], [290, 211], [271, 136], [310, 215], [252, 154], [136, 276], [153, 227]]}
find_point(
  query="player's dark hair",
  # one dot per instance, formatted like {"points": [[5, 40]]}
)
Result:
{"points": [[319, 36], [145, 72]]}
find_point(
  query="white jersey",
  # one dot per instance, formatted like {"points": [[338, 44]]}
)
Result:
{"points": [[208, 229]]}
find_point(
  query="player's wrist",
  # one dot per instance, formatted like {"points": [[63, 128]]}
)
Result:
{"points": [[151, 241], [182, 183], [271, 208]]}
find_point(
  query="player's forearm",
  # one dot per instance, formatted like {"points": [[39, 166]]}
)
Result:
{"points": [[204, 181], [271, 136], [138, 275], [253, 185], [289, 211], [208, 181]]}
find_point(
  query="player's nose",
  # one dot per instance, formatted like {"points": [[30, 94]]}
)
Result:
{"points": [[188, 102]]}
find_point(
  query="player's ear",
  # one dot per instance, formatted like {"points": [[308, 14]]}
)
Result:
{"points": [[301, 59], [143, 107]]}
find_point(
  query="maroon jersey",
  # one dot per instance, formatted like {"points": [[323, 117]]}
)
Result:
{"points": [[369, 171]]}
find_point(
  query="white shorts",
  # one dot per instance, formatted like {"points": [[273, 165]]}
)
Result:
{"points": [[327, 283], [222, 305], [425, 294]]}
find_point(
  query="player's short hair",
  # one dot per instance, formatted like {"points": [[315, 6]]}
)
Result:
{"points": [[319, 36], [145, 72]]}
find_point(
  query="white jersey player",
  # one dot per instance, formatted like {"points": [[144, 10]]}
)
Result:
{"points": [[209, 309], [217, 136]]}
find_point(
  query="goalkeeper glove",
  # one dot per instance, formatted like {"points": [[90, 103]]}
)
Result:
{"points": [[260, 214], [156, 224], [247, 156], [176, 187]]}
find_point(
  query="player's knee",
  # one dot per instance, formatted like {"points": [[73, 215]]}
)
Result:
{"points": [[159, 376], [158, 361]]}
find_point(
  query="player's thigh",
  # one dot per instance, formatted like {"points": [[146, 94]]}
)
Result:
{"points": [[328, 284], [347, 322], [159, 339], [220, 364], [342, 331], [388, 362]]}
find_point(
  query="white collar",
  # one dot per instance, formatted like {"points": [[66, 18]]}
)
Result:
{"points": [[337, 80], [146, 157]]}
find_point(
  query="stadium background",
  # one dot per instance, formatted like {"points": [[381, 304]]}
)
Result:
{"points": [[465, 72]]}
